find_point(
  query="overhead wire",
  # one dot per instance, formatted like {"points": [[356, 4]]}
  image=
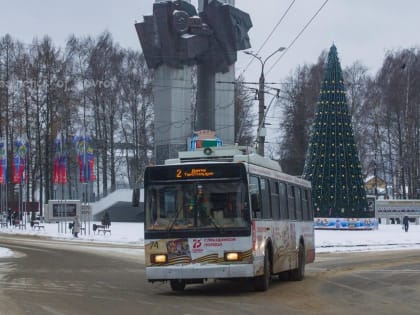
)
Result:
{"points": [[298, 35], [269, 36]]}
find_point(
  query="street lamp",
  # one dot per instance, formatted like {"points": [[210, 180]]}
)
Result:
{"points": [[261, 98]]}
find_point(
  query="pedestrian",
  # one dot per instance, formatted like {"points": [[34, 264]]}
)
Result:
{"points": [[106, 220], [9, 216], [405, 223], [15, 218], [76, 226]]}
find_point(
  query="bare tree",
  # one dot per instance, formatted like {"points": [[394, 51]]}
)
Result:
{"points": [[298, 99], [135, 115], [355, 78], [399, 76], [244, 116], [7, 51], [104, 71]]}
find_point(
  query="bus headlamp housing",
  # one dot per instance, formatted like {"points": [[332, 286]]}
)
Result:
{"points": [[232, 256], [159, 259]]}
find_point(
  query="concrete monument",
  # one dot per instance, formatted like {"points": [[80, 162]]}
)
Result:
{"points": [[174, 39]]}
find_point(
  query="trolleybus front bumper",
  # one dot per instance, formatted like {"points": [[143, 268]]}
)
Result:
{"points": [[199, 271]]}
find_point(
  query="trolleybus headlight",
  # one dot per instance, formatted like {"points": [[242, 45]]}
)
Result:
{"points": [[159, 259], [232, 256]]}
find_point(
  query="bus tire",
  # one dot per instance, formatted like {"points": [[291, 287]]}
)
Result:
{"points": [[284, 275], [261, 283], [177, 284], [299, 273]]}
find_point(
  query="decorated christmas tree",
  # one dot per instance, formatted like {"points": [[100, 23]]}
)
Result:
{"points": [[332, 163]]}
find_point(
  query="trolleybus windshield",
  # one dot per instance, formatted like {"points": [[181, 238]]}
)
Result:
{"points": [[186, 197]]}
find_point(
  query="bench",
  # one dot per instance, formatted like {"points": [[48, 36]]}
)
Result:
{"points": [[36, 225], [39, 227], [3, 224], [22, 226], [104, 231], [101, 228]]}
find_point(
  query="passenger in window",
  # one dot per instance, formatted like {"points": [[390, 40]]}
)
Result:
{"points": [[230, 206], [203, 206]]}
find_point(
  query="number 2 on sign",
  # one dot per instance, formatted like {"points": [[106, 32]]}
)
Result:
{"points": [[178, 173]]}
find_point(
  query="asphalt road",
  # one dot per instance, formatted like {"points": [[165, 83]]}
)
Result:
{"points": [[49, 277]]}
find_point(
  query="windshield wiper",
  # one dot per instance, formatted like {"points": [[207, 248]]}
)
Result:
{"points": [[175, 219], [210, 218], [219, 229]]}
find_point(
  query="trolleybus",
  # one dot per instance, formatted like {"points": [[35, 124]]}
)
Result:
{"points": [[225, 213]]}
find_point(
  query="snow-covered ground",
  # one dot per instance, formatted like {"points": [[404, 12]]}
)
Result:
{"points": [[386, 237]]}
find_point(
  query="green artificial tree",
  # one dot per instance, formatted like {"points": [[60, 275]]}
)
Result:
{"points": [[332, 163]]}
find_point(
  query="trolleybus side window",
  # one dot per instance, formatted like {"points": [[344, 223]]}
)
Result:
{"points": [[291, 202], [254, 191], [283, 201], [298, 200], [275, 202], [305, 205], [310, 208], [265, 198]]}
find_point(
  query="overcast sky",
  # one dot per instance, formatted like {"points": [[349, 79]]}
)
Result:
{"points": [[361, 29]]}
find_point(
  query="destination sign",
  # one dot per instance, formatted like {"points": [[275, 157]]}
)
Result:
{"points": [[194, 172], [185, 172]]}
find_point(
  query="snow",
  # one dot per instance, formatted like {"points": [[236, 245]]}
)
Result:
{"points": [[112, 198], [386, 237]]}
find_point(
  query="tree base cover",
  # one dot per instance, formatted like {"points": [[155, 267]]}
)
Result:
{"points": [[346, 223]]}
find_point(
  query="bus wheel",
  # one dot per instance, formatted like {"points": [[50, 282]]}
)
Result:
{"points": [[299, 273], [261, 283], [177, 285], [284, 275]]}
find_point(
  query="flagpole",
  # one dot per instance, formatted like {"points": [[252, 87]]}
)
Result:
{"points": [[53, 204], [62, 181], [4, 174], [20, 193], [25, 185], [55, 183], [24, 143], [85, 173], [63, 213], [2, 188], [1, 183], [84, 165], [6, 179]]}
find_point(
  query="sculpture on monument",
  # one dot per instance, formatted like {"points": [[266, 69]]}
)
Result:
{"points": [[176, 35]]}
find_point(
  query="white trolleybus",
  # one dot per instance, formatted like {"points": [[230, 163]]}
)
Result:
{"points": [[226, 213]]}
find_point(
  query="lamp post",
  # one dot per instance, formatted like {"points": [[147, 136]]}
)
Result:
{"points": [[261, 132]]}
